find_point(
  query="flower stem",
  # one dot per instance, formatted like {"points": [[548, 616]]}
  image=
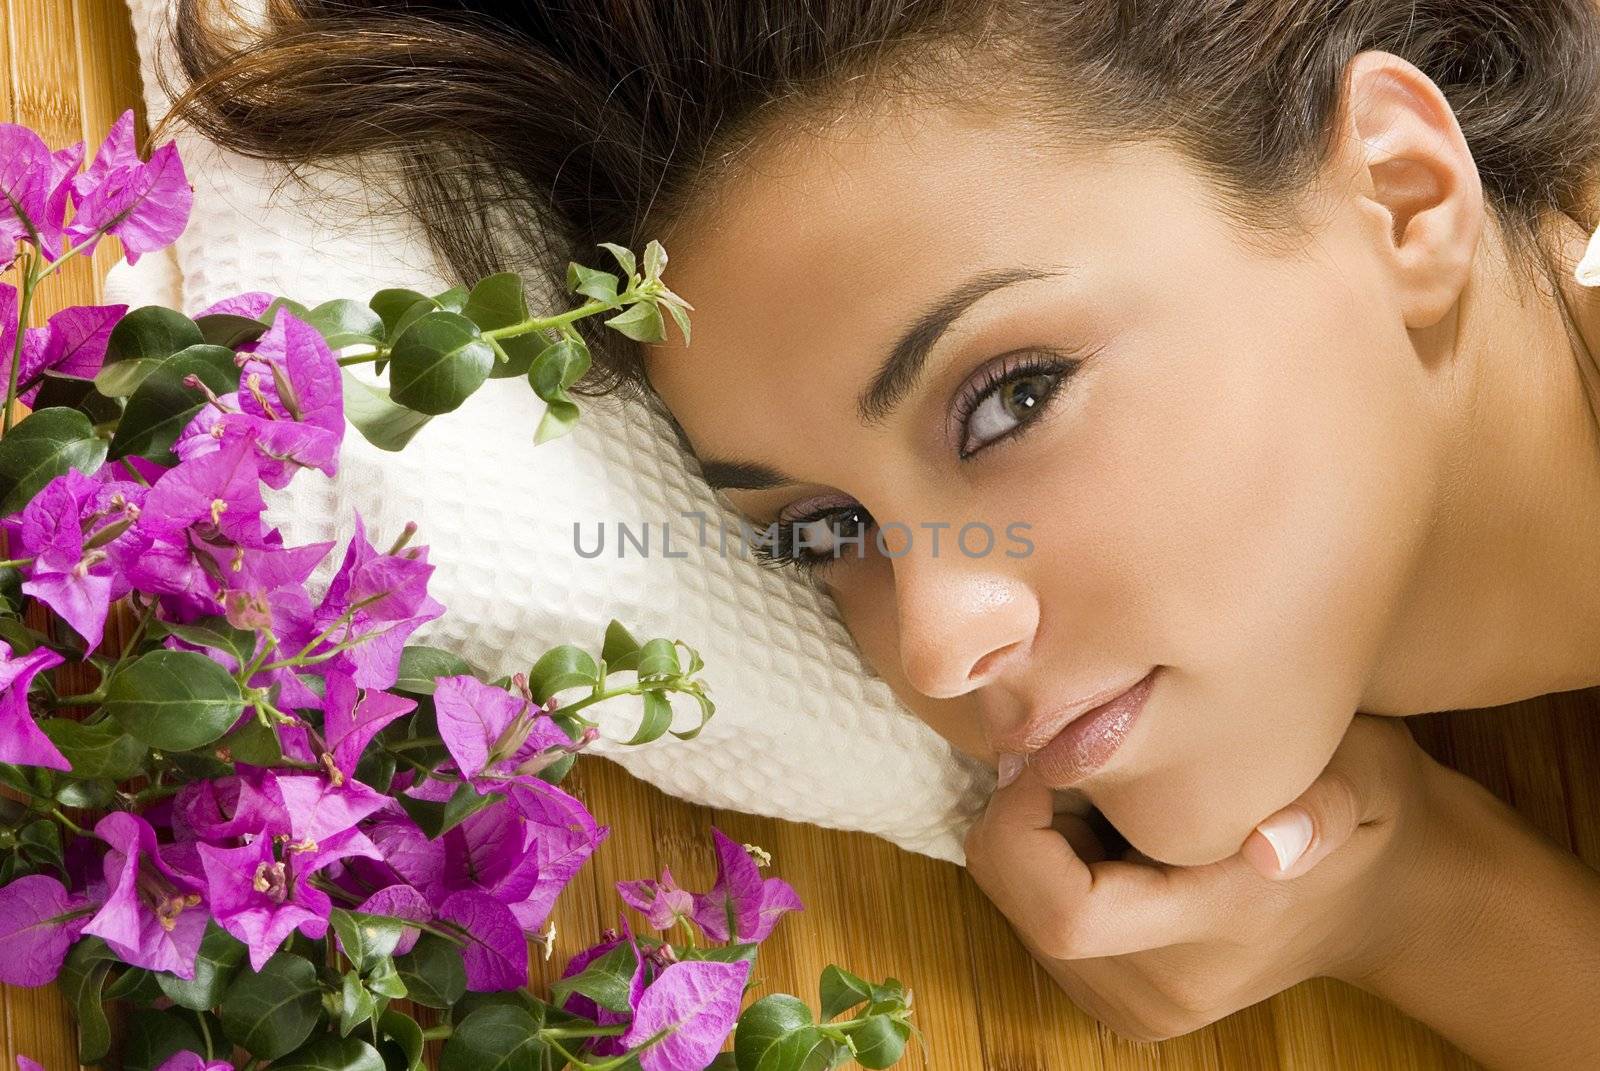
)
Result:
{"points": [[69, 823], [24, 307]]}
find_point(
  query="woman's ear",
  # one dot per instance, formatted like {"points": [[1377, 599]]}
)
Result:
{"points": [[1416, 178]]}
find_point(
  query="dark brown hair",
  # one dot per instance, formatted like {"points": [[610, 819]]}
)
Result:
{"points": [[526, 132]]}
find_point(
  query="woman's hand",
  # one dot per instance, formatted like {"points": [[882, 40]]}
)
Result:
{"points": [[1379, 874]]}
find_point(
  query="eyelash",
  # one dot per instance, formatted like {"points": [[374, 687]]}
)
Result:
{"points": [[994, 377]]}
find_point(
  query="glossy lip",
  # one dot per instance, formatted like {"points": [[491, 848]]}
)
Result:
{"points": [[1089, 739], [1043, 728]]}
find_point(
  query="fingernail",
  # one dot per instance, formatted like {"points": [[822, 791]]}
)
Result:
{"points": [[1010, 766], [1289, 832]]}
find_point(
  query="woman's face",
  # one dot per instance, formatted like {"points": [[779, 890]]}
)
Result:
{"points": [[1223, 459]]}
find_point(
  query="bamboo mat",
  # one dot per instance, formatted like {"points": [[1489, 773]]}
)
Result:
{"points": [[879, 911]]}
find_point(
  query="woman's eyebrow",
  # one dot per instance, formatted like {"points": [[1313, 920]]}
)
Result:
{"points": [[900, 370], [893, 380]]}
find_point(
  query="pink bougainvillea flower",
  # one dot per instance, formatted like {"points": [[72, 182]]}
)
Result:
{"points": [[21, 740], [34, 187], [290, 402], [350, 724], [487, 852], [261, 892], [662, 902], [261, 899], [37, 926], [148, 917], [754, 905], [290, 374], [561, 835], [374, 602], [67, 529], [489, 731], [698, 1002], [496, 950], [72, 343], [145, 204], [250, 304]]}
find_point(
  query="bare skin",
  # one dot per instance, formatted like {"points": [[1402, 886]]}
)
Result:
{"points": [[1358, 475]]}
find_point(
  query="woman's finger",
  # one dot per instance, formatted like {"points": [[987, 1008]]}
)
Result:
{"points": [[1074, 910], [1355, 789]]}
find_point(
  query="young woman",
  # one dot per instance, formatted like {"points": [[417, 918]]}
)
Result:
{"points": [[1255, 318]]}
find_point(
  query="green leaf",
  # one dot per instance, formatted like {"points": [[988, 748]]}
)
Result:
{"points": [[500, 1037], [270, 313], [273, 1012], [657, 718], [641, 322], [221, 956], [624, 257], [880, 1041], [619, 650], [658, 659], [421, 666], [367, 939], [329, 1053], [436, 819], [356, 1005], [163, 404], [343, 322], [733, 953], [521, 351], [679, 317], [89, 795], [402, 1043], [395, 302], [385, 981], [433, 972], [452, 300], [841, 991], [438, 362], [600, 285], [102, 749], [558, 366], [45, 444], [71, 392], [210, 632], [777, 1033], [253, 742], [81, 979], [559, 668], [497, 301], [123, 378], [135, 985], [154, 1037], [375, 415], [174, 700], [655, 261], [605, 980], [559, 418], [228, 329], [151, 331]]}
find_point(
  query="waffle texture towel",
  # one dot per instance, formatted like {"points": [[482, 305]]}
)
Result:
{"points": [[804, 730]]}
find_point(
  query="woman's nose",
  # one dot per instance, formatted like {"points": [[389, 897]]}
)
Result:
{"points": [[963, 622]]}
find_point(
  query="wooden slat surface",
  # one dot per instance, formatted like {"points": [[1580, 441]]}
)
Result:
{"points": [[980, 1001]]}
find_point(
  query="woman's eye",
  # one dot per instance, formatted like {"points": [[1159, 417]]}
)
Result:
{"points": [[811, 543], [1007, 401]]}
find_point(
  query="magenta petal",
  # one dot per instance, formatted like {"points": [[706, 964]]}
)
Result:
{"points": [[145, 205], [496, 951], [81, 601], [115, 153], [700, 1001], [250, 304], [472, 716], [21, 740], [349, 726], [400, 902], [192, 1061], [35, 941], [25, 172], [78, 338]]}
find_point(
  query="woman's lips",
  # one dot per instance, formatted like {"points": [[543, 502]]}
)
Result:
{"points": [[1088, 741]]}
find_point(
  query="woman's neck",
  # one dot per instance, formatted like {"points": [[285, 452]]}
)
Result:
{"points": [[1505, 602]]}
